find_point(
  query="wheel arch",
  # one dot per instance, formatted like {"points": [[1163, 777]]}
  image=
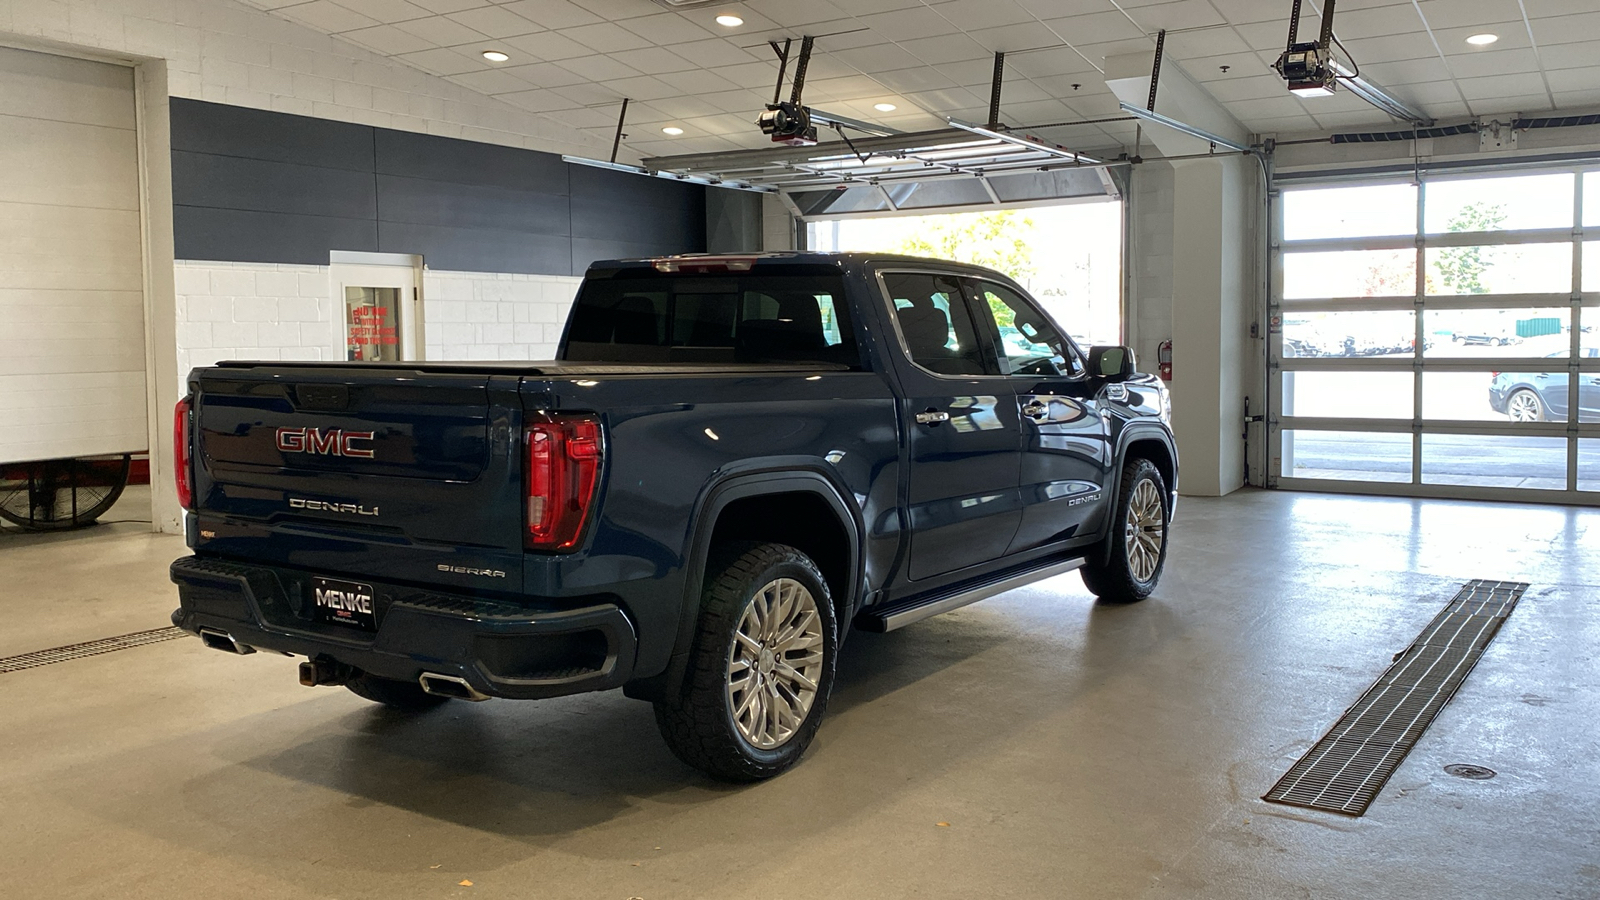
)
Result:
{"points": [[797, 502]]}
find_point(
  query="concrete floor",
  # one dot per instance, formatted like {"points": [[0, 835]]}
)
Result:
{"points": [[1074, 750]]}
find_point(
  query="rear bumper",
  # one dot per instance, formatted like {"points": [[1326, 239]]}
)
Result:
{"points": [[502, 649]]}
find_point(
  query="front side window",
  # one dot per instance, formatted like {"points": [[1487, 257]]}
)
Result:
{"points": [[1028, 344], [935, 323]]}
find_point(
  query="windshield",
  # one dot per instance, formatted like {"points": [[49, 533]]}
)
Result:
{"points": [[640, 315]]}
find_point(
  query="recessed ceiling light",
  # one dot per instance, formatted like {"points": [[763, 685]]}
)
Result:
{"points": [[495, 56], [885, 107], [672, 130], [1483, 40], [730, 21]]}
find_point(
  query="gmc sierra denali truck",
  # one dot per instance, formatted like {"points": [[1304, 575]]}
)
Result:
{"points": [[732, 461]]}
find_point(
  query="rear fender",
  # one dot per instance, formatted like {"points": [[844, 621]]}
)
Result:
{"points": [[752, 478]]}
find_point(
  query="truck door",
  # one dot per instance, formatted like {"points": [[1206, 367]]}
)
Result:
{"points": [[960, 420], [1066, 455]]}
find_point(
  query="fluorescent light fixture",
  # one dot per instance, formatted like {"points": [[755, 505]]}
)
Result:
{"points": [[885, 107], [1483, 40], [1307, 91], [1184, 127], [495, 56], [729, 21], [672, 130]]}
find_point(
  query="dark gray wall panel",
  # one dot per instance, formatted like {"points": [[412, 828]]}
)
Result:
{"points": [[479, 249], [469, 162], [254, 134], [246, 236], [230, 182], [421, 201], [259, 186]]}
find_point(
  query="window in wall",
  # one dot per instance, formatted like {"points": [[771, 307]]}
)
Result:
{"points": [[1474, 352]]}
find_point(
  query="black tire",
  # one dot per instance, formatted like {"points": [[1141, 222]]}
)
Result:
{"points": [[698, 722], [402, 695], [1115, 580]]}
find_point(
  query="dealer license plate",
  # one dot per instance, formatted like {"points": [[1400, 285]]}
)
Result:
{"points": [[348, 603]]}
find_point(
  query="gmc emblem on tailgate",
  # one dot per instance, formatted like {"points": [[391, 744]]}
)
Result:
{"points": [[324, 442]]}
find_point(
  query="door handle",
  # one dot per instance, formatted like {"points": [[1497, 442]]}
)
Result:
{"points": [[932, 417], [1035, 410]]}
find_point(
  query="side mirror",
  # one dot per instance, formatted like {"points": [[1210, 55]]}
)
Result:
{"points": [[1112, 363]]}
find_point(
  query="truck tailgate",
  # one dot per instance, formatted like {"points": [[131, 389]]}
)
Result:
{"points": [[404, 473]]}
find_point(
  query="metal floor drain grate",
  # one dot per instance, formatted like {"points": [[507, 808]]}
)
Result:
{"points": [[89, 648], [1344, 771]]}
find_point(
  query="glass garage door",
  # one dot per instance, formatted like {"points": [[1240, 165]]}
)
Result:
{"points": [[1439, 339]]}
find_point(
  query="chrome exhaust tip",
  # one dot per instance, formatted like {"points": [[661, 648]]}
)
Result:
{"points": [[221, 640], [452, 686]]}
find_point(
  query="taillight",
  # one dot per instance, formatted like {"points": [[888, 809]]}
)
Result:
{"points": [[564, 456], [182, 472]]}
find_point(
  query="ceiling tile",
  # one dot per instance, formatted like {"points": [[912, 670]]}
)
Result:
{"points": [[1011, 38], [642, 87], [386, 10], [1175, 15], [1493, 86], [713, 52], [538, 101], [1453, 41], [968, 15], [788, 12], [653, 60], [741, 102], [1505, 62], [548, 45], [545, 75], [690, 107], [1578, 99], [696, 81], [1407, 71], [945, 48], [1187, 45], [880, 58], [666, 28], [450, 6], [1540, 9], [1523, 104], [606, 37], [1097, 53], [616, 10], [907, 24], [908, 81], [591, 95], [1366, 23], [326, 16], [491, 81], [1043, 63], [1095, 29], [1242, 12], [1567, 56], [441, 31], [1391, 47], [1567, 80], [1458, 14], [552, 13], [1058, 9], [494, 22], [1253, 88], [1581, 28], [387, 39], [756, 76], [440, 61], [598, 67], [850, 87]]}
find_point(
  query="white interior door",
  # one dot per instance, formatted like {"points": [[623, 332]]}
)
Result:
{"points": [[377, 313], [72, 346]]}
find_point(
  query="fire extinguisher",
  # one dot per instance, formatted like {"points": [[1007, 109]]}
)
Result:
{"points": [[1164, 360]]}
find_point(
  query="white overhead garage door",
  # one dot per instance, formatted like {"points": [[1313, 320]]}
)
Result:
{"points": [[72, 359]]}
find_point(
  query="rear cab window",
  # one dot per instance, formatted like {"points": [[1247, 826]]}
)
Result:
{"points": [[645, 316]]}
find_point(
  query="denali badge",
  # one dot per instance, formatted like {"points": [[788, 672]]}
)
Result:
{"points": [[324, 441], [349, 509], [464, 570]]}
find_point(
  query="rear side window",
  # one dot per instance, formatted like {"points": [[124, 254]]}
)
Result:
{"points": [[745, 317]]}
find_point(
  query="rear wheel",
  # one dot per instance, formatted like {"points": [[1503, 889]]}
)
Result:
{"points": [[393, 693], [1138, 537], [761, 667], [1525, 406]]}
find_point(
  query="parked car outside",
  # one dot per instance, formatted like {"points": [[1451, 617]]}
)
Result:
{"points": [[1542, 396]]}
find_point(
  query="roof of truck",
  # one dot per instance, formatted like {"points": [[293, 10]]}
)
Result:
{"points": [[740, 261]]}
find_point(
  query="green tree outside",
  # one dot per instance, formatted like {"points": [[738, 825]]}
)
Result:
{"points": [[1461, 268], [998, 240]]}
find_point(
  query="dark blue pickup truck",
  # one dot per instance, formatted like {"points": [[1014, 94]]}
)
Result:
{"points": [[734, 459]]}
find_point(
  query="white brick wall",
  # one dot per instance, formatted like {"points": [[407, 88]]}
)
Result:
{"points": [[232, 310], [477, 315], [226, 52], [1150, 273]]}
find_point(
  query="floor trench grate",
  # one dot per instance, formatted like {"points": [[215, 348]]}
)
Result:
{"points": [[1344, 770], [89, 648]]}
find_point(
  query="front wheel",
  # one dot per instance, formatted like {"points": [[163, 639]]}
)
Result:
{"points": [[1138, 538], [761, 668]]}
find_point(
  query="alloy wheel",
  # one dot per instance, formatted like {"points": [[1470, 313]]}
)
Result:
{"points": [[1145, 530], [1523, 407], [775, 663]]}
